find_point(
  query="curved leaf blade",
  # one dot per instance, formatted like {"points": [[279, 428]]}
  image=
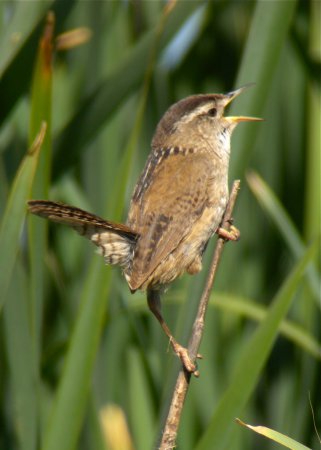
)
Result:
{"points": [[251, 362], [15, 211]]}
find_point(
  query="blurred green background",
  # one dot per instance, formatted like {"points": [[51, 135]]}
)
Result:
{"points": [[81, 359]]}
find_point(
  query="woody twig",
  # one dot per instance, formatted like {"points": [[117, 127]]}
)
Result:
{"points": [[169, 435]]}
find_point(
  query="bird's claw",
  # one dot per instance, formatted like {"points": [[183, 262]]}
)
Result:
{"points": [[183, 355], [233, 234]]}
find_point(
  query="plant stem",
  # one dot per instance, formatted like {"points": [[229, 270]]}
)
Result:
{"points": [[168, 438]]}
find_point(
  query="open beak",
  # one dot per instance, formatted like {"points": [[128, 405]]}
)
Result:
{"points": [[237, 119], [231, 96]]}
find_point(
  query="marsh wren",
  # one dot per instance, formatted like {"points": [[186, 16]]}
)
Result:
{"points": [[177, 205]]}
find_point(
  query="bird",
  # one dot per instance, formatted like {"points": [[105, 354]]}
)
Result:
{"points": [[176, 207]]}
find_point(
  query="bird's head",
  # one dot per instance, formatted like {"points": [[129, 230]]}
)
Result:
{"points": [[197, 120]]}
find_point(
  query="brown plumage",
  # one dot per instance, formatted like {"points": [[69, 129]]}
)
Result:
{"points": [[116, 242], [177, 204]]}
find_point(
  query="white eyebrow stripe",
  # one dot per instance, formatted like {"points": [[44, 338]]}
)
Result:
{"points": [[202, 109]]}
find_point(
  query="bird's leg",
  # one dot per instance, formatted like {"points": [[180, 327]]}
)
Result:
{"points": [[154, 303], [232, 234]]}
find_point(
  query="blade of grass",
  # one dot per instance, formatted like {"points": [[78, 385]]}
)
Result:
{"points": [[94, 429], [252, 310], [140, 403], [272, 206], [249, 309], [70, 400], [267, 35], [275, 436], [13, 86], [251, 361], [13, 36], [22, 367], [37, 229], [15, 211], [312, 211]]}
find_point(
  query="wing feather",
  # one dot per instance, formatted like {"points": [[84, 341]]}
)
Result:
{"points": [[115, 241], [166, 210]]}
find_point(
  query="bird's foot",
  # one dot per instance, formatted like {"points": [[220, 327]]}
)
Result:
{"points": [[183, 355], [233, 234]]}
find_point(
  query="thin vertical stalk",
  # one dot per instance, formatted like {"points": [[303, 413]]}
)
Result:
{"points": [[168, 439]]}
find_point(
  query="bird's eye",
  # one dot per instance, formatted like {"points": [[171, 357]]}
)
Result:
{"points": [[212, 112]]}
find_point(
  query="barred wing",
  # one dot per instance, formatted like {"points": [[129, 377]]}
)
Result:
{"points": [[115, 241]]}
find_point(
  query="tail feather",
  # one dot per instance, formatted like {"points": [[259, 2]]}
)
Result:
{"points": [[116, 242]]}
